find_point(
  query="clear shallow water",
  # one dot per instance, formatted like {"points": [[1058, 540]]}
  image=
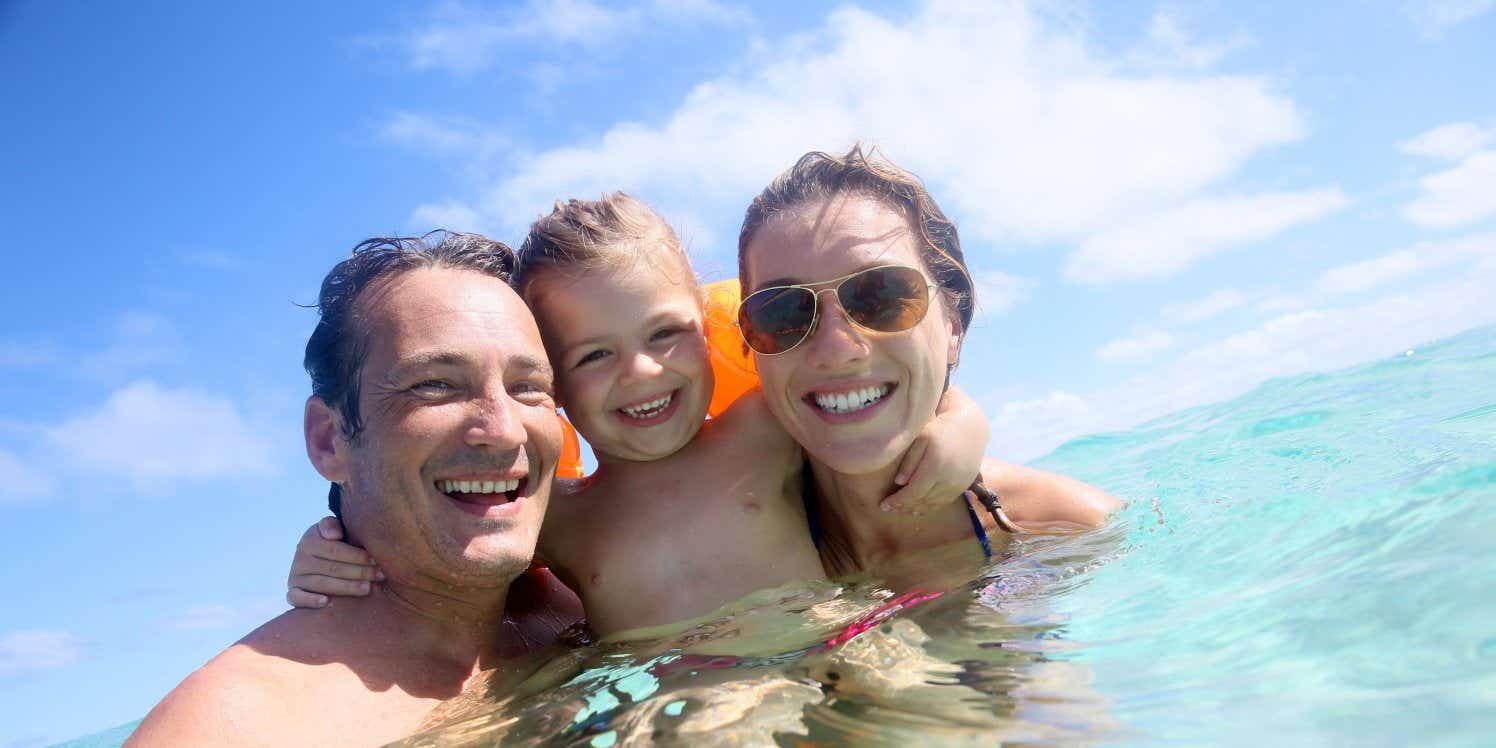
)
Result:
{"points": [[1312, 563]]}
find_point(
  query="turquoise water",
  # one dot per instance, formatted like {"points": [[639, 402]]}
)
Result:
{"points": [[1312, 563]]}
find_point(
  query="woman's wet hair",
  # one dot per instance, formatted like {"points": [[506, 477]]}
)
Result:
{"points": [[614, 231], [819, 177]]}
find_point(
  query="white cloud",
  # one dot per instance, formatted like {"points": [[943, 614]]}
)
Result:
{"points": [[1458, 196], [36, 650], [1451, 142], [1434, 17], [1024, 429], [1202, 309], [1320, 338], [452, 215], [1359, 276], [997, 292], [1142, 345], [1167, 45], [153, 435], [239, 615], [465, 39], [20, 482], [1168, 242], [1403, 264], [140, 340], [459, 135], [1023, 129]]}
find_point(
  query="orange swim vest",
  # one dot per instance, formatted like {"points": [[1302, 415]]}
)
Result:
{"points": [[732, 367]]}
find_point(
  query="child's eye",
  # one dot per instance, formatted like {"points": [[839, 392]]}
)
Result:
{"points": [[596, 355], [665, 333]]}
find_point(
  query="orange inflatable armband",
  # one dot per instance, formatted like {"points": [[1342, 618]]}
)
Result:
{"points": [[570, 465], [732, 364]]}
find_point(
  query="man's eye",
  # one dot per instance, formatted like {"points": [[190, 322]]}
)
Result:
{"points": [[531, 391], [432, 387], [596, 355]]}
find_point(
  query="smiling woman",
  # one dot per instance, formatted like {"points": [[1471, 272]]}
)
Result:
{"points": [[838, 258]]}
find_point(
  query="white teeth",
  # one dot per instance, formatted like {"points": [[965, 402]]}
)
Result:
{"points": [[476, 486], [649, 409], [849, 402]]}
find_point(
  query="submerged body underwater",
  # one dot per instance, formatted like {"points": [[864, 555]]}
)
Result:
{"points": [[1310, 563]]}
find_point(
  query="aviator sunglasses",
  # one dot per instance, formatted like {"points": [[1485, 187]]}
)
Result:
{"points": [[890, 298]]}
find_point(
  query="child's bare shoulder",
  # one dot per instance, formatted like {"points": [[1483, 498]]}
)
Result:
{"points": [[749, 422]]}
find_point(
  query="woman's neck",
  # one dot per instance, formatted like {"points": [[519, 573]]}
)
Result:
{"points": [[857, 535]]}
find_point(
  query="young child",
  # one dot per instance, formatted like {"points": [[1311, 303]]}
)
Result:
{"points": [[683, 514]]}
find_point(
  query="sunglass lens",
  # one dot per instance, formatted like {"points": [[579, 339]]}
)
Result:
{"points": [[777, 319], [889, 299]]}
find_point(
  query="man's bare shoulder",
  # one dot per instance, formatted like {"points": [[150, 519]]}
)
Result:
{"points": [[250, 694], [228, 701]]}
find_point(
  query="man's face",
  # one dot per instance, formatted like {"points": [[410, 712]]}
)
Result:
{"points": [[457, 405]]}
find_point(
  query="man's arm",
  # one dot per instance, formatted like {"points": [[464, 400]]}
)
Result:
{"points": [[1040, 500]]}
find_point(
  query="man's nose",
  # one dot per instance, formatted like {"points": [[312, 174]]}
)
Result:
{"points": [[495, 422], [835, 342]]}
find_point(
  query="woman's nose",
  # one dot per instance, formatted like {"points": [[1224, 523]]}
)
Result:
{"points": [[835, 342]]}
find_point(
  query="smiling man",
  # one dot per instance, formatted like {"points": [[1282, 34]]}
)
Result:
{"points": [[432, 413]]}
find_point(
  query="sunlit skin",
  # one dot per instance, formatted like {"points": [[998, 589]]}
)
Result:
{"points": [[623, 338], [854, 459], [808, 245], [455, 385]]}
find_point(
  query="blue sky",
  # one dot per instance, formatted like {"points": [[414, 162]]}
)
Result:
{"points": [[1164, 204]]}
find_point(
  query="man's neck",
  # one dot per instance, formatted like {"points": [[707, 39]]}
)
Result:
{"points": [[438, 623]]}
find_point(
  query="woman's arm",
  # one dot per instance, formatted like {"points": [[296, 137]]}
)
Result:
{"points": [[1041, 501]]}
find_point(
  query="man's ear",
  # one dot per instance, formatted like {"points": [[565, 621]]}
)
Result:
{"points": [[325, 447]]}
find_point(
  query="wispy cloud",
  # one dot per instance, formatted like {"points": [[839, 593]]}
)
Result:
{"points": [[141, 340], [1321, 337], [1459, 196], [153, 435], [1142, 345], [466, 38], [1434, 17], [1024, 129], [37, 650], [1165, 243], [1199, 310], [997, 292], [20, 481], [1452, 142], [15, 354]]}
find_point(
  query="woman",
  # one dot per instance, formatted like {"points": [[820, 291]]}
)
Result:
{"points": [[856, 300]]}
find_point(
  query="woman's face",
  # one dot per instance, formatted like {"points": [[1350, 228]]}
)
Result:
{"points": [[902, 374]]}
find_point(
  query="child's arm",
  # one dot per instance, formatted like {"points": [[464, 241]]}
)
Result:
{"points": [[944, 459], [324, 565]]}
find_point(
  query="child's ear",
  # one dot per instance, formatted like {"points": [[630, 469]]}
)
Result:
{"points": [[325, 447]]}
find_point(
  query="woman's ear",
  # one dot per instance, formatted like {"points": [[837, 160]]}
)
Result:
{"points": [[953, 346], [325, 447]]}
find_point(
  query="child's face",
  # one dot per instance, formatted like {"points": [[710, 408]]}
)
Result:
{"points": [[631, 360]]}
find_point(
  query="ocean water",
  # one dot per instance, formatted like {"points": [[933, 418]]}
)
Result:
{"points": [[1313, 563]]}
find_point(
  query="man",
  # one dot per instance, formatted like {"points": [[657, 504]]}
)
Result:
{"points": [[433, 415]]}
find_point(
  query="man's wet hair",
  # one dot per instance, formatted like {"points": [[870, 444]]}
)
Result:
{"points": [[336, 351]]}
